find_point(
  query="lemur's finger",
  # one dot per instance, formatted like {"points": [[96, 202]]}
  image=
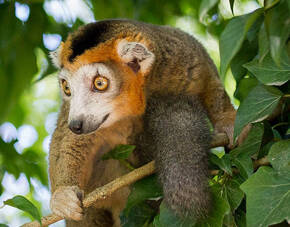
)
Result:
{"points": [[71, 214], [72, 206], [68, 214], [71, 195]]}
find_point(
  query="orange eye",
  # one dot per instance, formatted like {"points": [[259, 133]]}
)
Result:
{"points": [[100, 83], [65, 87]]}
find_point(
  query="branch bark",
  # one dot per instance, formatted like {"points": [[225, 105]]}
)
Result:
{"points": [[105, 191]]}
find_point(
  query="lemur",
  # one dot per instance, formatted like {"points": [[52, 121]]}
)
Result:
{"points": [[128, 82]]}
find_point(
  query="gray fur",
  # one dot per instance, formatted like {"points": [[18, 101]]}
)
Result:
{"points": [[177, 132]]}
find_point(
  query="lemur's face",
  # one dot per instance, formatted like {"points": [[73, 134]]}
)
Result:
{"points": [[91, 92], [100, 89]]}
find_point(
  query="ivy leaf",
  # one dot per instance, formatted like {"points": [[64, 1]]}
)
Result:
{"points": [[233, 193], [244, 87], [141, 215], [245, 54], [241, 156], [145, 189], [267, 197], [120, 152], [270, 3], [223, 163], [277, 21], [24, 204], [233, 36], [263, 43], [268, 72], [167, 218], [258, 105], [279, 156], [229, 221]]}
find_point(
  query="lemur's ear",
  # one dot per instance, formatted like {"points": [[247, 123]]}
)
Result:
{"points": [[135, 55], [55, 56]]}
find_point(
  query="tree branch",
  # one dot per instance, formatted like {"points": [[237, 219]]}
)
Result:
{"points": [[105, 191]]}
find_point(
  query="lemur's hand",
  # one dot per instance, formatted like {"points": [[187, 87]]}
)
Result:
{"points": [[224, 127], [225, 124], [66, 202]]}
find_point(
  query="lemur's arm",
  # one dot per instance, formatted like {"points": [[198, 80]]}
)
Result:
{"points": [[220, 110], [70, 165], [176, 129], [72, 160], [69, 156]]}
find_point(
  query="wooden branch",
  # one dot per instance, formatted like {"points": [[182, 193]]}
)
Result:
{"points": [[107, 190], [261, 162]]}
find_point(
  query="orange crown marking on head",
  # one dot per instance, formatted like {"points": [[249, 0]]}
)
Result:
{"points": [[131, 100], [101, 53]]}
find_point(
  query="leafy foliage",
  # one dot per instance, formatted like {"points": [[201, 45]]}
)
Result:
{"points": [[261, 69], [22, 203], [254, 48]]}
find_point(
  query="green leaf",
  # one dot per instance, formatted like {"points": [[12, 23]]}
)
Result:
{"points": [[141, 215], [229, 221], [263, 43], [246, 54], [254, 31], [268, 72], [24, 204], [244, 164], [267, 197], [277, 21], [270, 3], [244, 87], [167, 218], [265, 149], [145, 189], [241, 156], [3, 225], [233, 36], [205, 6], [120, 152], [259, 104], [223, 163], [279, 156], [233, 193], [220, 208]]}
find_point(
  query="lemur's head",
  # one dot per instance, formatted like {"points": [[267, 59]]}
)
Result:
{"points": [[102, 74]]}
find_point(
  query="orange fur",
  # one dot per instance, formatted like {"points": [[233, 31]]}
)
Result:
{"points": [[103, 52], [131, 102]]}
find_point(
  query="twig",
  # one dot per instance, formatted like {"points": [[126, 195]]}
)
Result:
{"points": [[261, 162], [105, 191]]}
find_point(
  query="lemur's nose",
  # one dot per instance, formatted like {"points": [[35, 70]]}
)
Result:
{"points": [[76, 126]]}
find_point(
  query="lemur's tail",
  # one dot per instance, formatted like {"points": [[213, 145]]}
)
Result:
{"points": [[181, 138]]}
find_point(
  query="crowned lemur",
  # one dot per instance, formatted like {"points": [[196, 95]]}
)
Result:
{"points": [[128, 82]]}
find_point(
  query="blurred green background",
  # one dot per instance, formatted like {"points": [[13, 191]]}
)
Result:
{"points": [[29, 96]]}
